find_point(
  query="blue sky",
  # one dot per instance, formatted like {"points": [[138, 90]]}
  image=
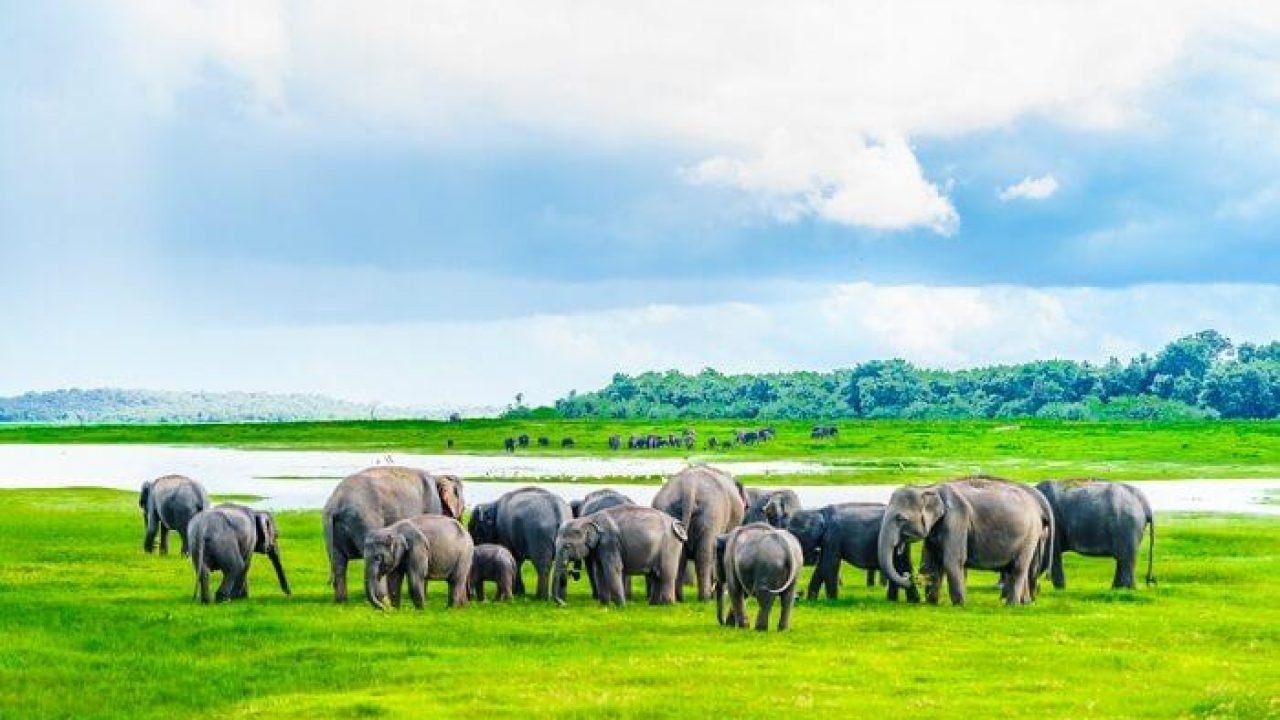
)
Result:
{"points": [[450, 203]]}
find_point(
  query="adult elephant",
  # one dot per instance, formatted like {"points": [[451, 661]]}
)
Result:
{"points": [[771, 505], [169, 503], [525, 522], [375, 498], [848, 532], [710, 503], [1098, 518], [976, 522]]}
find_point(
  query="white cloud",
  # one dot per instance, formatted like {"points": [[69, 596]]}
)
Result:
{"points": [[1040, 188], [812, 107], [545, 355]]}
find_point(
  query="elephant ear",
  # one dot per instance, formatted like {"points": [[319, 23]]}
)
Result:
{"points": [[265, 528], [932, 507], [742, 495], [413, 544], [592, 532], [450, 489], [680, 531]]}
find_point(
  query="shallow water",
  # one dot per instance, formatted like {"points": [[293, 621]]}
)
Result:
{"points": [[291, 479]]}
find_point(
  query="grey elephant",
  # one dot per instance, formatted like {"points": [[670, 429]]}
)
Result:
{"points": [[848, 532], [524, 521], [709, 502], [976, 522], [224, 539], [375, 498], [492, 563], [619, 542], [1098, 518], [169, 503], [417, 549], [761, 561], [597, 500], [771, 505]]}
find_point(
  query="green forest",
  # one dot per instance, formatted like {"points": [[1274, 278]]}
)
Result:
{"points": [[1199, 376]]}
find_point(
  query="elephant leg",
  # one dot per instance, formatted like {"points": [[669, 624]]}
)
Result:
{"points": [[705, 566], [764, 599], [232, 572], [871, 577], [815, 585], [149, 539], [519, 579], [504, 587], [164, 539], [1055, 571], [626, 587], [458, 591], [680, 579], [593, 580], [186, 549], [788, 598], [1123, 577], [225, 587], [738, 606], [617, 588], [417, 590], [955, 583], [544, 585], [338, 561], [202, 585]]}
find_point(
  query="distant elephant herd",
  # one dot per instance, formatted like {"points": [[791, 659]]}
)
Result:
{"points": [[704, 527], [686, 438]]}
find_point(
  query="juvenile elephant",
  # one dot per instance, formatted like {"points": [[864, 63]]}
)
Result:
{"points": [[169, 503], [621, 541], [848, 532], [375, 498], [977, 522], [709, 502], [761, 561], [598, 500], [1097, 518], [420, 548], [772, 506], [525, 522], [224, 539], [491, 563]]}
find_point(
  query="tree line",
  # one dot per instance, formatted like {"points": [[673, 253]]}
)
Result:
{"points": [[1203, 375]]}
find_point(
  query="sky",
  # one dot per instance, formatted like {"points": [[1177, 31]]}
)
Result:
{"points": [[447, 203]]}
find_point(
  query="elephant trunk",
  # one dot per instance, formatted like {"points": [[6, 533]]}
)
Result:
{"points": [[890, 538], [274, 554], [373, 584]]}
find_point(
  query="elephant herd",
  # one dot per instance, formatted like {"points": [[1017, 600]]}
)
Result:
{"points": [[703, 528]]}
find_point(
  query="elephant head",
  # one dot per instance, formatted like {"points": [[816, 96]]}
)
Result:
{"points": [[808, 526], [575, 540], [910, 516], [483, 524], [452, 501], [387, 549], [267, 542], [775, 511]]}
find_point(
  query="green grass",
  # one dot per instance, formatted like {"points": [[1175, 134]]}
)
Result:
{"points": [[92, 627], [888, 451]]}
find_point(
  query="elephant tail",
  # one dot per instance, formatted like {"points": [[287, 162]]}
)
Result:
{"points": [[197, 563], [1151, 547], [791, 575]]}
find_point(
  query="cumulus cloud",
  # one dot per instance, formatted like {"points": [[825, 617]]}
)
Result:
{"points": [[812, 108], [1040, 188]]}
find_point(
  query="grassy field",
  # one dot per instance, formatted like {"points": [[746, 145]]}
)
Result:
{"points": [[92, 627], [889, 451]]}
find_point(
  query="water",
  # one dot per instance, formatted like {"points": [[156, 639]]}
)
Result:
{"points": [[290, 479]]}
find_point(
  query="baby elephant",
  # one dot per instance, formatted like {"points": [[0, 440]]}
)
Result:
{"points": [[758, 560], [621, 541], [169, 503], [422, 547], [492, 562], [224, 538]]}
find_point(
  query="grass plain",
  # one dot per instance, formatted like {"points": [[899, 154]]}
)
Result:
{"points": [[879, 451], [92, 627]]}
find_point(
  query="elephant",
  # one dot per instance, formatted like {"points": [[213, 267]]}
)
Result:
{"points": [[709, 502], [419, 548], [597, 500], [224, 539], [492, 563], [1097, 518], [848, 532], [525, 522], [772, 506], [169, 503], [619, 542], [975, 522], [760, 560], [375, 498]]}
